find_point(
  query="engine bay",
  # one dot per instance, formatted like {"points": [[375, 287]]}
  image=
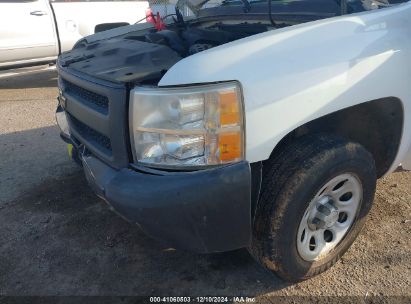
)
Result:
{"points": [[192, 40], [144, 56]]}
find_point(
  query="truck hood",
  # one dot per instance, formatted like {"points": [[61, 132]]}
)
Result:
{"points": [[120, 59]]}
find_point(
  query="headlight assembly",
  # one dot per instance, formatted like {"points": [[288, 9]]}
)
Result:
{"points": [[187, 127]]}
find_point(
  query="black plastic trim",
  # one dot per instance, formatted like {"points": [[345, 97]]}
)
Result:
{"points": [[202, 211], [87, 115], [110, 125]]}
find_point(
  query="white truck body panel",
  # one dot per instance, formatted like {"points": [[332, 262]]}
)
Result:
{"points": [[28, 29], [406, 164], [76, 20], [294, 75]]}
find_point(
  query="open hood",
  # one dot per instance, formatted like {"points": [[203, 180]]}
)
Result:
{"points": [[196, 5]]}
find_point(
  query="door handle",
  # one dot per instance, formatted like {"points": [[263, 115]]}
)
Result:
{"points": [[38, 13]]}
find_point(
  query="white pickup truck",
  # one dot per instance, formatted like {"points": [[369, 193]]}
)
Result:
{"points": [[37, 31], [258, 124]]}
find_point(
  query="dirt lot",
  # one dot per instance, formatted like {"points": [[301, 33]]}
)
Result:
{"points": [[57, 238]]}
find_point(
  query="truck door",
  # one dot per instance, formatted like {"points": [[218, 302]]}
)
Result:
{"points": [[27, 31]]}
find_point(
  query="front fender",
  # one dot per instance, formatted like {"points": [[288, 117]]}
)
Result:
{"points": [[297, 74]]}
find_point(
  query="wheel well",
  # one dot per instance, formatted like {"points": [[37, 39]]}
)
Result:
{"points": [[377, 125]]}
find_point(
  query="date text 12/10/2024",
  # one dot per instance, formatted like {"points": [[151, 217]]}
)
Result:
{"points": [[205, 299]]}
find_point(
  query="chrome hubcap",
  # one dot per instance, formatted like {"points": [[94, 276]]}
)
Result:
{"points": [[329, 217]]}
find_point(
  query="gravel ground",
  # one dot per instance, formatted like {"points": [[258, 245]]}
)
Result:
{"points": [[58, 238]]}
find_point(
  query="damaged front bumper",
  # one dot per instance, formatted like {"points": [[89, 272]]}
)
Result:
{"points": [[202, 211]]}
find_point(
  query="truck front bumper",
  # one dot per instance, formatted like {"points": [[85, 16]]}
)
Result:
{"points": [[202, 211]]}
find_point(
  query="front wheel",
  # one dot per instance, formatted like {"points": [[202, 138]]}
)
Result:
{"points": [[314, 198]]}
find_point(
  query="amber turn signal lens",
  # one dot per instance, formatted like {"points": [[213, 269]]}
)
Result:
{"points": [[230, 144], [229, 110]]}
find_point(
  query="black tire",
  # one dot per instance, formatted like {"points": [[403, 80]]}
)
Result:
{"points": [[291, 179]]}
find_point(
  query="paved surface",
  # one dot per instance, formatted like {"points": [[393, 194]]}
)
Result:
{"points": [[57, 238]]}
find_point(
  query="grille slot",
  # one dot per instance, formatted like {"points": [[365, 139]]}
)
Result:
{"points": [[96, 101], [91, 135]]}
